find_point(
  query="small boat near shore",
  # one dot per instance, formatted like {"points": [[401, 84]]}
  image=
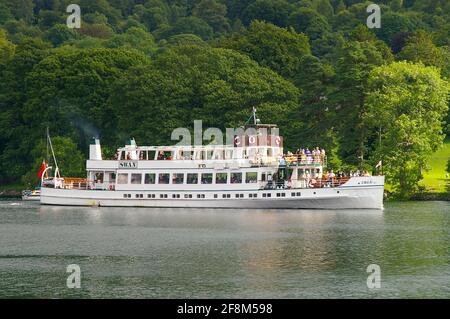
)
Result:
{"points": [[31, 195], [252, 172]]}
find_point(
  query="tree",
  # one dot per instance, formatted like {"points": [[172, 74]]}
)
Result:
{"points": [[271, 46], [5, 13], [192, 25], [134, 38], [185, 83], [22, 9], [420, 48], [313, 124], [214, 13], [273, 11], [184, 39], [48, 18], [96, 30], [309, 22], [406, 103], [356, 60], [324, 7], [15, 143], [65, 89], [6, 47], [154, 16], [392, 24], [59, 34]]}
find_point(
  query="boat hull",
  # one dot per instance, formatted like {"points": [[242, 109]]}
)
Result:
{"points": [[31, 198], [361, 197]]}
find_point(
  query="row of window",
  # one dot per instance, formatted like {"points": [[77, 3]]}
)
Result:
{"points": [[177, 196], [189, 178]]}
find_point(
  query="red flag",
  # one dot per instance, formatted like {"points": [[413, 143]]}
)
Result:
{"points": [[42, 169]]}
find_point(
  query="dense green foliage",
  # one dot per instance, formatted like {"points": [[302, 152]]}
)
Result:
{"points": [[141, 68], [404, 108]]}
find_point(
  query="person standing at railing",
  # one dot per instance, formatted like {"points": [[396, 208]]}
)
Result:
{"points": [[322, 156], [308, 156]]}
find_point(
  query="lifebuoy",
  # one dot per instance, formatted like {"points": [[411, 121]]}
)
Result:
{"points": [[237, 140], [251, 139], [289, 184]]}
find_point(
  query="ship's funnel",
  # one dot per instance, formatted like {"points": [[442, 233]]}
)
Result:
{"points": [[131, 142], [95, 150]]}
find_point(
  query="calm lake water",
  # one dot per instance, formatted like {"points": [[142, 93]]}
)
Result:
{"points": [[215, 253]]}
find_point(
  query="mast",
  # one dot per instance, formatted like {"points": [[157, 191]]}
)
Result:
{"points": [[49, 141], [47, 154]]}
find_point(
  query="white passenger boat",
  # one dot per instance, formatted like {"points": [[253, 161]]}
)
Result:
{"points": [[253, 173]]}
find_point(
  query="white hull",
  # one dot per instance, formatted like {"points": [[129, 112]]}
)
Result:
{"points": [[31, 198], [350, 196]]}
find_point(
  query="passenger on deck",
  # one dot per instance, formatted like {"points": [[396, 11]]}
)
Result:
{"points": [[308, 155]]}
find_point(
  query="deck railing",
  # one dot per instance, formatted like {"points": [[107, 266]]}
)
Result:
{"points": [[307, 183], [83, 183], [302, 159]]}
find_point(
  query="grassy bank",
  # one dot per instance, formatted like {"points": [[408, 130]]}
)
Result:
{"points": [[436, 181]]}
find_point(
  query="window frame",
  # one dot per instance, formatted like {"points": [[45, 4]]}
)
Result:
{"points": [[120, 181]]}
